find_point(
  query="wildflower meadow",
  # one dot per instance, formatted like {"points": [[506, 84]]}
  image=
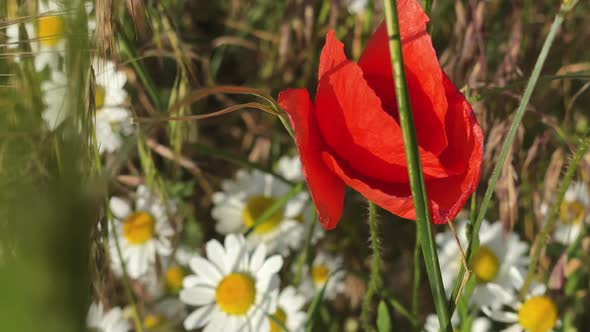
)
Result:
{"points": [[294, 165]]}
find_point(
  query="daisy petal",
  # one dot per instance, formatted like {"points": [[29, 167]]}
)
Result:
{"points": [[197, 296], [205, 269], [198, 318]]}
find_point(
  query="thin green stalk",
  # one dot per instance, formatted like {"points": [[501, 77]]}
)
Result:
{"points": [[126, 48], [375, 281], [417, 185], [135, 312], [302, 259], [275, 207], [427, 6], [399, 307], [474, 239], [417, 281], [543, 236]]}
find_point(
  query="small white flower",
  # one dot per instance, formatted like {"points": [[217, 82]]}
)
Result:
{"points": [[13, 40], [111, 321], [244, 200], [495, 257], [479, 324], [573, 213], [290, 169], [325, 268], [537, 312], [233, 289], [112, 120], [169, 311], [356, 6], [48, 41], [289, 311], [143, 232], [55, 97]]}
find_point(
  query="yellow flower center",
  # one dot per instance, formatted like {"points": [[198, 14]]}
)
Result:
{"points": [[236, 293], [99, 96], [174, 277], [279, 316], [50, 30], [319, 274], [538, 314], [153, 320], [139, 227], [572, 212], [485, 264], [255, 207]]}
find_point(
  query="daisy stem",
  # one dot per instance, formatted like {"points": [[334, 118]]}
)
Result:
{"points": [[474, 239], [375, 281], [135, 312], [543, 236], [415, 174], [302, 259]]}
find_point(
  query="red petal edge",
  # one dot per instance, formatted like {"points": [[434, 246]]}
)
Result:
{"points": [[326, 189]]}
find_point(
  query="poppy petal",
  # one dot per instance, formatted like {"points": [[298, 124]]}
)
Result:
{"points": [[326, 189], [356, 128], [423, 75], [446, 195]]}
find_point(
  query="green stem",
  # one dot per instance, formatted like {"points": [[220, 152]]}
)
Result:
{"points": [[127, 49], [375, 281], [417, 281], [543, 236], [135, 312], [302, 259], [417, 185], [474, 239], [427, 6], [398, 307]]}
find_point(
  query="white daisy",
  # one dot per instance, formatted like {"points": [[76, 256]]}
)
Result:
{"points": [[479, 324], [356, 6], [112, 120], [573, 213], [235, 291], [289, 311], [290, 169], [495, 257], [168, 312], [246, 198], [48, 42], [110, 321], [13, 39], [143, 232], [325, 268], [168, 276], [55, 97], [537, 313]]}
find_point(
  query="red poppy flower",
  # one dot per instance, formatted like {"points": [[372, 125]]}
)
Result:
{"points": [[351, 134]]}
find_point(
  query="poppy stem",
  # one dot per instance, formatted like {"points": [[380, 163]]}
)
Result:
{"points": [[375, 281], [566, 6], [543, 236], [416, 176]]}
